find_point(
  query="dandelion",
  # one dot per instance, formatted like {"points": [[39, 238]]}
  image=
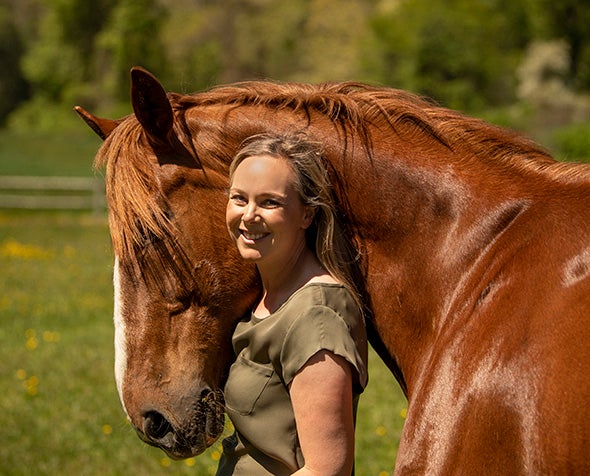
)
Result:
{"points": [[51, 336], [165, 462], [107, 429], [21, 374], [381, 430], [32, 385], [11, 248], [215, 455], [190, 462], [32, 343], [403, 413], [384, 473]]}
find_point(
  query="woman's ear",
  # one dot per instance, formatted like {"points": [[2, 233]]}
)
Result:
{"points": [[308, 216]]}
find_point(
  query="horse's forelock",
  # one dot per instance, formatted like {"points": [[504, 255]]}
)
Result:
{"points": [[136, 211]]}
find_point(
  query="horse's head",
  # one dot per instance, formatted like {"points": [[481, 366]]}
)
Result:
{"points": [[180, 286]]}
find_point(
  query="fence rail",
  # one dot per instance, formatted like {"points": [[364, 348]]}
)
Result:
{"points": [[52, 193]]}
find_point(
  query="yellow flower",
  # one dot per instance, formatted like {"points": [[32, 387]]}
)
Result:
{"points": [[381, 431], [165, 462], [11, 248], [107, 429], [403, 413], [190, 462], [32, 385], [51, 336], [32, 343]]}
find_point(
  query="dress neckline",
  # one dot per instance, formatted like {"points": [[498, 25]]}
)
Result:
{"points": [[256, 319]]}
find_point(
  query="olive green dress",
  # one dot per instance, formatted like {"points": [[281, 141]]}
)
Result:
{"points": [[270, 352]]}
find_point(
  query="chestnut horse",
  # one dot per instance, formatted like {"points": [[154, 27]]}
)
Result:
{"points": [[474, 249]]}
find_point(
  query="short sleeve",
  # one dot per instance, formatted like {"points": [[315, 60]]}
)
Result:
{"points": [[321, 328]]}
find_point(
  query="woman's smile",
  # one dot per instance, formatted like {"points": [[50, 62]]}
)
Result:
{"points": [[252, 238]]}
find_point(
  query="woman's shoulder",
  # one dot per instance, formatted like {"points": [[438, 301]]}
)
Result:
{"points": [[322, 293]]}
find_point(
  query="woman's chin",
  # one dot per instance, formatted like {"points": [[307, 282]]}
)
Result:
{"points": [[250, 255]]}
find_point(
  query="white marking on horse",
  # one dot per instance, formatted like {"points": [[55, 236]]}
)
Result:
{"points": [[120, 339]]}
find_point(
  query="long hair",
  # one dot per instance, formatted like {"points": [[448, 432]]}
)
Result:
{"points": [[326, 236]]}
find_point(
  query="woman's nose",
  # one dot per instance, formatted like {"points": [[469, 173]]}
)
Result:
{"points": [[250, 212]]}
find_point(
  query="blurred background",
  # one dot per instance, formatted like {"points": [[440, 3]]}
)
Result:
{"points": [[522, 64]]}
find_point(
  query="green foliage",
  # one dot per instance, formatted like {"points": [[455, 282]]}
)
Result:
{"points": [[131, 37], [463, 53], [573, 142], [569, 20], [13, 86]]}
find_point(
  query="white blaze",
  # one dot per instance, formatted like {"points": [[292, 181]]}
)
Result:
{"points": [[120, 340]]}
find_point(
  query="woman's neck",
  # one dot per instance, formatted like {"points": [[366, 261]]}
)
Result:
{"points": [[279, 282]]}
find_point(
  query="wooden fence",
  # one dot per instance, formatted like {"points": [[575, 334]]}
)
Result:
{"points": [[52, 193]]}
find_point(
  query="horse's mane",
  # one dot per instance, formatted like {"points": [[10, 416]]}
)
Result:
{"points": [[137, 214], [357, 106]]}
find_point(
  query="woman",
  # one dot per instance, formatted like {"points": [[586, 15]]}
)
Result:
{"points": [[302, 354]]}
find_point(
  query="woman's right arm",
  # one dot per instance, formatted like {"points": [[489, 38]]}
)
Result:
{"points": [[321, 394]]}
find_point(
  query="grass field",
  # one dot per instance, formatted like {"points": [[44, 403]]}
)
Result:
{"points": [[61, 413], [61, 154]]}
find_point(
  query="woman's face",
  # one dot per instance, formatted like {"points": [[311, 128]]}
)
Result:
{"points": [[265, 215]]}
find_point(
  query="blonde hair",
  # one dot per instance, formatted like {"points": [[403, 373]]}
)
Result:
{"points": [[326, 236]]}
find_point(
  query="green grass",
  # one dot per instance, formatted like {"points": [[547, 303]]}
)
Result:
{"points": [[61, 413], [61, 154]]}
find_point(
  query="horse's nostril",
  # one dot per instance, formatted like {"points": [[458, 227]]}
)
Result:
{"points": [[155, 426]]}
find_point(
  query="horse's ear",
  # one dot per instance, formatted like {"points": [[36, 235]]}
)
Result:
{"points": [[151, 105], [102, 127], [154, 112]]}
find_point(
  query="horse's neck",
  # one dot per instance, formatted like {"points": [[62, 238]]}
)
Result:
{"points": [[422, 227]]}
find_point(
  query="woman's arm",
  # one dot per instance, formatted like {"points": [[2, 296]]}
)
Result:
{"points": [[321, 394]]}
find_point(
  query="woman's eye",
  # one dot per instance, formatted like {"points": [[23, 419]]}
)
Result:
{"points": [[271, 203], [237, 198]]}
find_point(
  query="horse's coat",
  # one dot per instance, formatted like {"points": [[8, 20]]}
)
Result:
{"points": [[474, 251]]}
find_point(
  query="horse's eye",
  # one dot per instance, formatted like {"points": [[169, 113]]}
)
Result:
{"points": [[178, 307]]}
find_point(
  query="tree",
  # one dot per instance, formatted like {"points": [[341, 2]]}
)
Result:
{"points": [[461, 52], [131, 36], [13, 87], [62, 54], [569, 20]]}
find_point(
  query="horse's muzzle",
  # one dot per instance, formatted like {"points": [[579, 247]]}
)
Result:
{"points": [[184, 436]]}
